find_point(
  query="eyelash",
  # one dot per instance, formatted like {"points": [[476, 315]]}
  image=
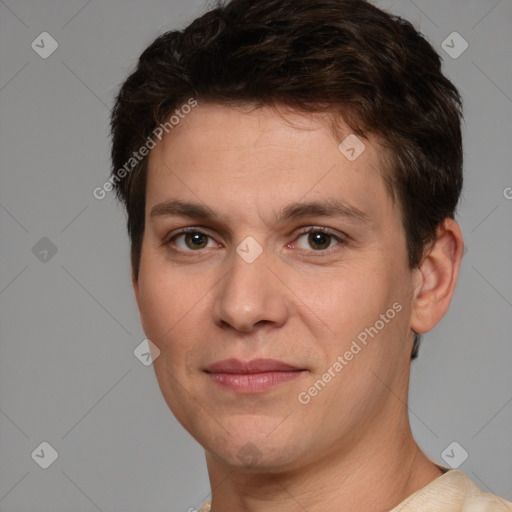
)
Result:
{"points": [[341, 239]]}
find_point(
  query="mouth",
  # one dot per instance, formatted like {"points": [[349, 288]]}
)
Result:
{"points": [[254, 376]]}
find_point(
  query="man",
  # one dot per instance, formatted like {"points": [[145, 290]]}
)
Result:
{"points": [[291, 171]]}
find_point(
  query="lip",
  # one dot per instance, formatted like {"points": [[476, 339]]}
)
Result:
{"points": [[254, 376]]}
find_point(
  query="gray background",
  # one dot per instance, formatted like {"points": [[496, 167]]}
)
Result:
{"points": [[69, 325]]}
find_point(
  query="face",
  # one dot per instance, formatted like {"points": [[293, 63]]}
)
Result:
{"points": [[274, 281]]}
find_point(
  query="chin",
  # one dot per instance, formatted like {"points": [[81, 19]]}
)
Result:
{"points": [[254, 453]]}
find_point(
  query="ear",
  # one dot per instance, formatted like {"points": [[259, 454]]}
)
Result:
{"points": [[436, 277]]}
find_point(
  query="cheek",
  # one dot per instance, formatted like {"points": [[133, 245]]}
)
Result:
{"points": [[347, 299], [174, 307], [162, 301], [167, 309], [154, 306], [365, 311]]}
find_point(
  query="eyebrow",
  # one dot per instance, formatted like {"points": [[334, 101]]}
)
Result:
{"points": [[327, 208]]}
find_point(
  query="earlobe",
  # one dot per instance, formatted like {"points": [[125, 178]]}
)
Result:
{"points": [[437, 277]]}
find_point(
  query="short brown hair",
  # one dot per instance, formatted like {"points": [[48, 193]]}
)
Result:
{"points": [[344, 57]]}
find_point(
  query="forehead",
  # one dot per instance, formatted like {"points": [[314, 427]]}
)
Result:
{"points": [[241, 158]]}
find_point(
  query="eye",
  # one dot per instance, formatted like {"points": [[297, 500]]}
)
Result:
{"points": [[191, 240], [318, 239]]}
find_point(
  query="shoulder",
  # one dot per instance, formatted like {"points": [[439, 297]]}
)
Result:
{"points": [[205, 507], [453, 492], [479, 501]]}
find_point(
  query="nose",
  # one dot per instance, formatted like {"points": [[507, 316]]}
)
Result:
{"points": [[250, 295]]}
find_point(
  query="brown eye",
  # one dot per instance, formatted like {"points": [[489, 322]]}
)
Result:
{"points": [[319, 240], [191, 241], [196, 240]]}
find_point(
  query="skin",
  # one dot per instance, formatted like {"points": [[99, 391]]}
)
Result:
{"points": [[296, 302]]}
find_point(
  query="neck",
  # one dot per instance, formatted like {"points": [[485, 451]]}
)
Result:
{"points": [[369, 477]]}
